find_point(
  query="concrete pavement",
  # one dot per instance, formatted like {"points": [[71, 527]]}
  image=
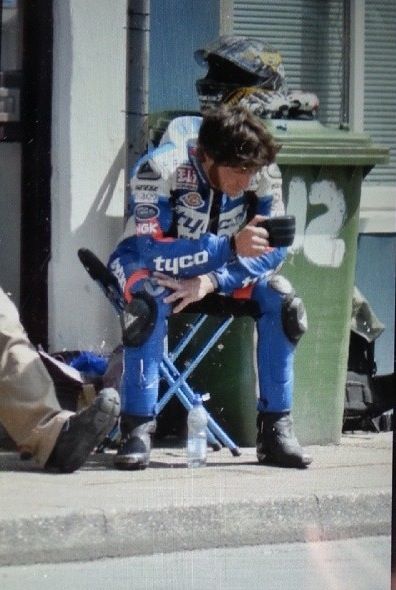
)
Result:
{"points": [[98, 511]]}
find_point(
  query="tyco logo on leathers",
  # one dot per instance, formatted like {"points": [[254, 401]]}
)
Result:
{"points": [[173, 265]]}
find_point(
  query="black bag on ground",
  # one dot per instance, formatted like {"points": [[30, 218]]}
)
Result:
{"points": [[367, 396]]}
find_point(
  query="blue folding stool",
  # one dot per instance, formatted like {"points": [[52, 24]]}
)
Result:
{"points": [[176, 379]]}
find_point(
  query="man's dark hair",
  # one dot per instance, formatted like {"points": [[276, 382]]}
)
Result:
{"points": [[233, 136]]}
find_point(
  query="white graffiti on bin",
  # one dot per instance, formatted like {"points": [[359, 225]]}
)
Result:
{"points": [[319, 239]]}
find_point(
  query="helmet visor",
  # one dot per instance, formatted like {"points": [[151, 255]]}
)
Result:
{"points": [[212, 93]]}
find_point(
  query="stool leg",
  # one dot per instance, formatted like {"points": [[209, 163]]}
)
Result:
{"points": [[185, 395], [185, 399], [186, 338]]}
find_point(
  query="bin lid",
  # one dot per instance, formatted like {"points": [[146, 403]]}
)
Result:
{"points": [[311, 142]]}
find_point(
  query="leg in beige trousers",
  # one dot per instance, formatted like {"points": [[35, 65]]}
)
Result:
{"points": [[29, 409]]}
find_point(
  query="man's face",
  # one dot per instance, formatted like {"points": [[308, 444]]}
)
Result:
{"points": [[227, 179]]}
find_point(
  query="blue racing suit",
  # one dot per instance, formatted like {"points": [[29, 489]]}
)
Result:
{"points": [[177, 224]]}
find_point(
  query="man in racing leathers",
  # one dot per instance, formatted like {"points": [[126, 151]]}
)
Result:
{"points": [[193, 236]]}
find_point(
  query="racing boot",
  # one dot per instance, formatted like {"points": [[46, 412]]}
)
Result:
{"points": [[82, 432], [136, 433], [277, 443]]}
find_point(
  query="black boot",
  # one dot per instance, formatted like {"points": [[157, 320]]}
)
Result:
{"points": [[136, 432], [82, 432], [277, 443]]}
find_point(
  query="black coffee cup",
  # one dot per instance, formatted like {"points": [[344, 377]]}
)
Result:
{"points": [[281, 230]]}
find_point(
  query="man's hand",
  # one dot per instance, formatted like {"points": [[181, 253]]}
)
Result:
{"points": [[185, 291], [252, 240]]}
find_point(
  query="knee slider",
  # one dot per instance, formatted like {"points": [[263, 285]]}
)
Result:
{"points": [[138, 319], [294, 319], [294, 316]]}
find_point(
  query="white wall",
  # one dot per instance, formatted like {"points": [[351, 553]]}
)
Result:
{"points": [[88, 155]]}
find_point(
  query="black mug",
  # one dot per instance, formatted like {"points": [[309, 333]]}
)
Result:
{"points": [[281, 230]]}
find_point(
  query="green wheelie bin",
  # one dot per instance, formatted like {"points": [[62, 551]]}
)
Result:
{"points": [[322, 171]]}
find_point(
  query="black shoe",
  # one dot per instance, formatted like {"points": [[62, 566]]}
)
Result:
{"points": [[82, 432], [136, 432], [277, 443]]}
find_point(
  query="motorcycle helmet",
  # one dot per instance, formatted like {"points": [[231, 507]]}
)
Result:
{"points": [[236, 63]]}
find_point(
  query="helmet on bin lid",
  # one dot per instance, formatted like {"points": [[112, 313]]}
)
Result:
{"points": [[249, 54], [235, 62]]}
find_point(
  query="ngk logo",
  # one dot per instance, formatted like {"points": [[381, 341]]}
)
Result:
{"points": [[145, 228]]}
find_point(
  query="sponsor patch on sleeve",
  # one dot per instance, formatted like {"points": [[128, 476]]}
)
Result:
{"points": [[192, 200], [146, 217], [186, 178], [145, 192]]}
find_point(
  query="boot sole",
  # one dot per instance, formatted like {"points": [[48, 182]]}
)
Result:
{"points": [[130, 463], [98, 420], [268, 460], [126, 466]]}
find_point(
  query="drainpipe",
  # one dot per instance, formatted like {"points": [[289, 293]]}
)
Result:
{"points": [[138, 37], [1, 26], [346, 65]]}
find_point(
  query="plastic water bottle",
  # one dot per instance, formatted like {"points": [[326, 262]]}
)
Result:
{"points": [[197, 420]]}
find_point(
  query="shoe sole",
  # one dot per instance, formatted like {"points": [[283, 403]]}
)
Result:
{"points": [[127, 466], [99, 418], [130, 463], [268, 460]]}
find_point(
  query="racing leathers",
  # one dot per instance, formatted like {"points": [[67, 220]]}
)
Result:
{"points": [[179, 225]]}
